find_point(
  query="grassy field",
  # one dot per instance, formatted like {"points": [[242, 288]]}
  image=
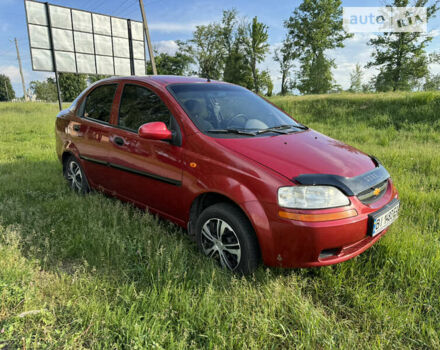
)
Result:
{"points": [[91, 272]]}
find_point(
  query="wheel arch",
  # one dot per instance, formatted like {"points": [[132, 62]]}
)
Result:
{"points": [[203, 201], [66, 154], [207, 199]]}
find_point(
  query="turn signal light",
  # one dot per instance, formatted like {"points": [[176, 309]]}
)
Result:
{"points": [[318, 217]]}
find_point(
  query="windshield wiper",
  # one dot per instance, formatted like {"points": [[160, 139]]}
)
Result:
{"points": [[282, 129], [231, 131]]}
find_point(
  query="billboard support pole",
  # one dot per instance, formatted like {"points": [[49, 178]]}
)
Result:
{"points": [[130, 47], [54, 62], [147, 33]]}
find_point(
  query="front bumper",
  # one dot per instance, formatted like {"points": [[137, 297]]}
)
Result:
{"points": [[309, 244]]}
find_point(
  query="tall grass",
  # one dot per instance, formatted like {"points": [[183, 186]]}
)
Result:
{"points": [[97, 273]]}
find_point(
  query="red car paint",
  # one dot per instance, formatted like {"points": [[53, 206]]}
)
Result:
{"points": [[247, 171]]}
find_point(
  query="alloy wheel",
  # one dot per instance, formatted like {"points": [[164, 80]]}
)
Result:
{"points": [[74, 176], [220, 242]]}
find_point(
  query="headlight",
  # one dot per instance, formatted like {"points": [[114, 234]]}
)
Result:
{"points": [[311, 197]]}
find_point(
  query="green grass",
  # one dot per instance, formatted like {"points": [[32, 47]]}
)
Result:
{"points": [[100, 274]]}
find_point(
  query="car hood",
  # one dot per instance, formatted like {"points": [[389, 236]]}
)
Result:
{"points": [[307, 152]]}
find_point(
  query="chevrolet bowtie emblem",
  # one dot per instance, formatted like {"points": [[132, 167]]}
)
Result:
{"points": [[376, 191]]}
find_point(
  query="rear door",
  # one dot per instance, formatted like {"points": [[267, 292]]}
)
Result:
{"points": [[92, 136], [148, 172]]}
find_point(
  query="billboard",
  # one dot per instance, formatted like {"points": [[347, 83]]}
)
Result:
{"points": [[75, 41]]}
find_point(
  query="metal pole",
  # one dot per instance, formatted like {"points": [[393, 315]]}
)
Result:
{"points": [[54, 61], [21, 70], [130, 46], [147, 33]]}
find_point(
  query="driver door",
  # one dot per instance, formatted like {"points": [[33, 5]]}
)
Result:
{"points": [[147, 172]]}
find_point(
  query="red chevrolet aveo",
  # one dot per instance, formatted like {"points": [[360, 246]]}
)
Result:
{"points": [[243, 177]]}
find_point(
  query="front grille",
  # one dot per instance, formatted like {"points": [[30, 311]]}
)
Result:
{"points": [[369, 196]]}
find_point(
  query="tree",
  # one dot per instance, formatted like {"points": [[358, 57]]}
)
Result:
{"points": [[228, 31], [94, 78], [265, 83], [314, 27], [369, 86], [255, 47], [45, 90], [434, 57], [432, 83], [315, 76], [173, 65], [7, 93], [336, 89], [231, 50], [285, 57], [177, 64], [71, 85], [207, 49], [356, 79], [236, 69], [401, 56]]}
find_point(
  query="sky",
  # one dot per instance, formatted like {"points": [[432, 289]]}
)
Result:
{"points": [[171, 20]]}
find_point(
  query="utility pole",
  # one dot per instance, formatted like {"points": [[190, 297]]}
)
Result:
{"points": [[7, 92], [147, 33], [21, 70]]}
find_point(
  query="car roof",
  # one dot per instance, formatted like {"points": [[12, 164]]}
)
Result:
{"points": [[163, 80]]}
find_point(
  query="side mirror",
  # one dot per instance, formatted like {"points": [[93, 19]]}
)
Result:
{"points": [[155, 131]]}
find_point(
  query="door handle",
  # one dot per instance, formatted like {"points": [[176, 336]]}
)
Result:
{"points": [[119, 141]]}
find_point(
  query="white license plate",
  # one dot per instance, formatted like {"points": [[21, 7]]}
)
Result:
{"points": [[381, 222]]}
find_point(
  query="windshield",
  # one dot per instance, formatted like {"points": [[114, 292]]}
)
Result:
{"points": [[216, 108]]}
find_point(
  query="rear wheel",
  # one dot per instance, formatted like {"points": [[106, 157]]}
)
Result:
{"points": [[75, 176], [225, 234]]}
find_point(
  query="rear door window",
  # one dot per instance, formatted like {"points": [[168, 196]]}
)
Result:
{"points": [[139, 106], [99, 103]]}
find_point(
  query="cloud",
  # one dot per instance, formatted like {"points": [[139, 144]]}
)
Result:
{"points": [[356, 51], [12, 72], [360, 38], [166, 46], [172, 27], [434, 33], [434, 68], [273, 67]]}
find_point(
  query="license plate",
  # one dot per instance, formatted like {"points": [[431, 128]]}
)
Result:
{"points": [[383, 218]]}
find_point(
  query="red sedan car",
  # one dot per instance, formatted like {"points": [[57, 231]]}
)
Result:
{"points": [[248, 181]]}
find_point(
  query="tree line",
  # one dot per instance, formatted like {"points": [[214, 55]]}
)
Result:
{"points": [[233, 49]]}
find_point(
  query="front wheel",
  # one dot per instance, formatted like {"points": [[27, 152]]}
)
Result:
{"points": [[225, 234], [75, 176]]}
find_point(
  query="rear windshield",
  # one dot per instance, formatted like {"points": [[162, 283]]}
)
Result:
{"points": [[223, 106]]}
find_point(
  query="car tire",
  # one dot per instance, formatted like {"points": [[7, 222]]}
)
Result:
{"points": [[75, 176], [224, 233]]}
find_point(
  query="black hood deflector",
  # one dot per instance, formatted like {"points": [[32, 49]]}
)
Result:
{"points": [[351, 186]]}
